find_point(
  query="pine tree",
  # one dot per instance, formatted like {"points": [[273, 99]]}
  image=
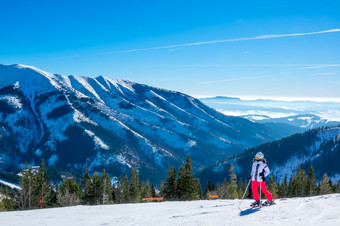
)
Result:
{"points": [[125, 192], [170, 185], [283, 188], [6, 201], [69, 193], [300, 182], [325, 187], [186, 182], [41, 186], [30, 187], [119, 191], [153, 191], [199, 193], [23, 193], [311, 187], [207, 187], [146, 193], [97, 189], [232, 186], [222, 192], [241, 187], [86, 184], [337, 190], [135, 187], [297, 184], [107, 188], [272, 187], [291, 186]]}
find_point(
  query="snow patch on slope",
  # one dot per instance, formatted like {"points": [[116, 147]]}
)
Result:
{"points": [[99, 143]]}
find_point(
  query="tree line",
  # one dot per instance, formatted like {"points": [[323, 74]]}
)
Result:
{"points": [[299, 184], [37, 191]]}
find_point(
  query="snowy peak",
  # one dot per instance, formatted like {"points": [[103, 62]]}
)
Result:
{"points": [[73, 121]]}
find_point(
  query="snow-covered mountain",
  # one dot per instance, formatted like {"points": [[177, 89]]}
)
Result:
{"points": [[318, 210], [292, 116], [318, 147], [73, 121]]}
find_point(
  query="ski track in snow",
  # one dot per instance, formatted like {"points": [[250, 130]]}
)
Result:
{"points": [[319, 210]]}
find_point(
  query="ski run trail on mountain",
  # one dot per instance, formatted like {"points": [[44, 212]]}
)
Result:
{"points": [[319, 210]]}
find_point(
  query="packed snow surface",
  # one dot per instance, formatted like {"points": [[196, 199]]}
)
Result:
{"points": [[319, 210]]}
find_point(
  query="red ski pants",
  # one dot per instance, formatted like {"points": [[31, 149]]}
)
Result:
{"points": [[255, 187]]}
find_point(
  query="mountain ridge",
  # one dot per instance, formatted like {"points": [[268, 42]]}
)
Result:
{"points": [[73, 121], [317, 147]]}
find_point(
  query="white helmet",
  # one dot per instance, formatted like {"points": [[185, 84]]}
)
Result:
{"points": [[259, 156]]}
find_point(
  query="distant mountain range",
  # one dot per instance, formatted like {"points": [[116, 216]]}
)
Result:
{"points": [[291, 116], [73, 121], [317, 147]]}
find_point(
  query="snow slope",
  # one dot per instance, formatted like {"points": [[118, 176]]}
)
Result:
{"points": [[319, 210]]}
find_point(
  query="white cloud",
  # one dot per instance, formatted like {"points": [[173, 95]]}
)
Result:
{"points": [[228, 40], [324, 74], [321, 66]]}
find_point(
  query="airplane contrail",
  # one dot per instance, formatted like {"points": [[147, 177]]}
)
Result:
{"points": [[227, 40]]}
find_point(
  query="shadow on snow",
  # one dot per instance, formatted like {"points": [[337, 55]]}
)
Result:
{"points": [[249, 211]]}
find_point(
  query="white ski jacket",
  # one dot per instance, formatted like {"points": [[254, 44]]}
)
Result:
{"points": [[258, 168]]}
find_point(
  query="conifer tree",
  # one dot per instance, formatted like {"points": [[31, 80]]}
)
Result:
{"points": [[337, 190], [283, 188], [86, 184], [30, 187], [291, 186], [241, 187], [272, 187], [186, 183], [6, 202], [107, 188], [119, 190], [97, 189], [199, 193], [26, 195], [311, 187], [232, 188], [325, 187], [170, 185], [69, 193], [24, 192], [146, 193], [300, 181], [135, 187], [125, 192], [207, 187], [297, 183], [41, 186], [153, 191], [222, 192]]}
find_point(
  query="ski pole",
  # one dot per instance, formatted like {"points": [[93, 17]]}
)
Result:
{"points": [[260, 191], [244, 194]]}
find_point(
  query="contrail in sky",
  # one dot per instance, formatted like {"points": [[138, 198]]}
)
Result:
{"points": [[227, 40]]}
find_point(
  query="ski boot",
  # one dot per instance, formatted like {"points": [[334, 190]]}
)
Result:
{"points": [[268, 203], [255, 204]]}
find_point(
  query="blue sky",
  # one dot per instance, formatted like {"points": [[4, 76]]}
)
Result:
{"points": [[269, 48]]}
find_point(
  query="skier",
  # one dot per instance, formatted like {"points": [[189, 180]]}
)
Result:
{"points": [[258, 173]]}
